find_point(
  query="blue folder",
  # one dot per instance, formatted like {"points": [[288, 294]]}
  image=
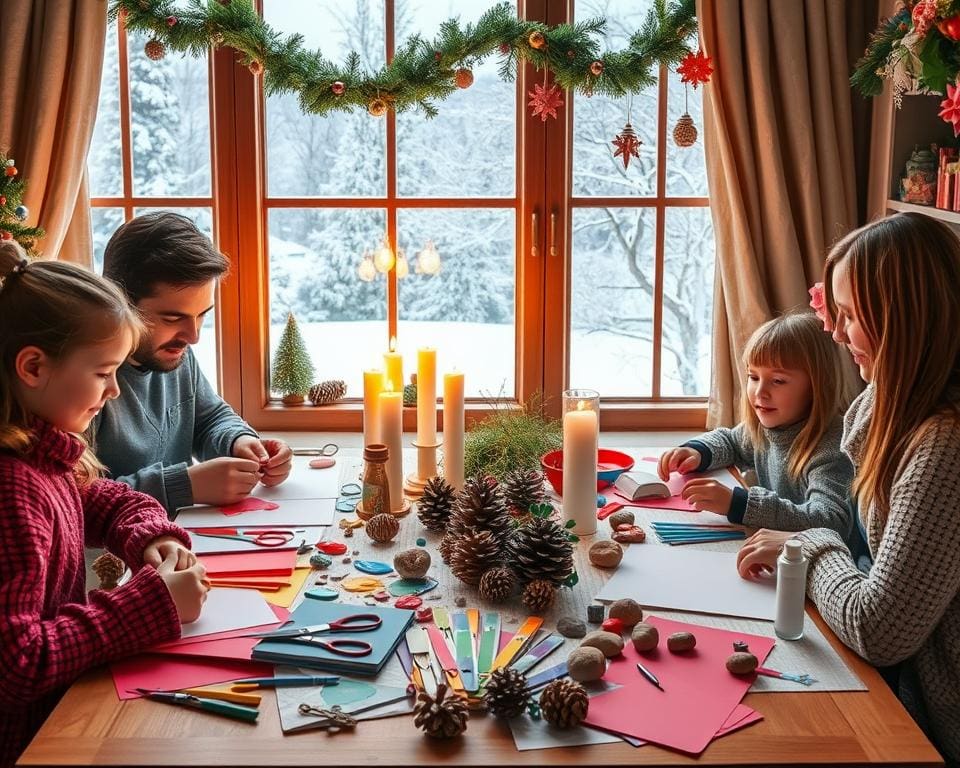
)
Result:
{"points": [[384, 639]]}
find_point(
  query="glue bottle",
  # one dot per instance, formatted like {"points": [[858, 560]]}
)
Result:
{"points": [[791, 591]]}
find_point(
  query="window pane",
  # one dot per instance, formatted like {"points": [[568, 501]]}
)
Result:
{"points": [[314, 255], [105, 222], [103, 161], [687, 302], [170, 123], [686, 167], [467, 310], [340, 154], [611, 307], [598, 119], [469, 149]]}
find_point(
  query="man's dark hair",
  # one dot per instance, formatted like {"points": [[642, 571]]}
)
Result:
{"points": [[161, 247]]}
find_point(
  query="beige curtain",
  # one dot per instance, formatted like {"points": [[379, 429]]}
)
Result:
{"points": [[781, 131], [51, 54]]}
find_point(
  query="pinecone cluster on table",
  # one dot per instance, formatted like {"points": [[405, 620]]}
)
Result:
{"points": [[522, 488], [479, 508], [506, 693], [440, 716], [540, 549], [327, 392], [498, 584], [436, 504], [564, 703], [472, 554], [538, 596]]}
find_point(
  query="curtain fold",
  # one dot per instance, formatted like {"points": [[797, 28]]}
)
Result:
{"points": [[51, 58], [780, 130]]}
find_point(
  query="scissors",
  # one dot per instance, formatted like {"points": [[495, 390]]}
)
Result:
{"points": [[359, 622], [327, 450], [257, 538]]}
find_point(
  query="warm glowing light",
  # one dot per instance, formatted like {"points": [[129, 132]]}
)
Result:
{"points": [[393, 343], [367, 271], [581, 405], [428, 260], [383, 258], [402, 266]]}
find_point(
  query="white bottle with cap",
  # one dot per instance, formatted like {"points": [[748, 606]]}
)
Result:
{"points": [[791, 591]]}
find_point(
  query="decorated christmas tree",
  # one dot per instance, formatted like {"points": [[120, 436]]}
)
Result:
{"points": [[13, 213], [292, 374]]}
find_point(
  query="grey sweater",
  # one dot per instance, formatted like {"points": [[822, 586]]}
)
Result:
{"points": [[816, 499], [908, 608], [149, 435]]}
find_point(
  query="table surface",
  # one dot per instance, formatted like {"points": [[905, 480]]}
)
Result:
{"points": [[91, 727]]}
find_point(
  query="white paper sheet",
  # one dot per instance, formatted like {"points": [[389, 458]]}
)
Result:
{"points": [[227, 609], [296, 512], [539, 734], [304, 483], [687, 579]]}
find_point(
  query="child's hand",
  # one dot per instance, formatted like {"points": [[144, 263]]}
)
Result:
{"points": [[188, 588], [278, 466], [759, 553], [163, 547], [682, 460], [224, 480], [707, 495]]}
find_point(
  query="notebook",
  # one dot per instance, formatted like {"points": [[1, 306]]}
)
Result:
{"points": [[641, 485], [384, 639]]}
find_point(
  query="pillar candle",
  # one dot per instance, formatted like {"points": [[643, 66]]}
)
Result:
{"points": [[393, 363], [580, 440], [426, 396], [391, 431], [453, 429], [372, 387]]}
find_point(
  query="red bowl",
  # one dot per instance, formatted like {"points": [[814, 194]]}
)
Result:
{"points": [[610, 465]]}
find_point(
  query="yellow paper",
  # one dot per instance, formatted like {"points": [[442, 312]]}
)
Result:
{"points": [[285, 596]]}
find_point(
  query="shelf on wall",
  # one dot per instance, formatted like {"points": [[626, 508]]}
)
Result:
{"points": [[951, 217]]}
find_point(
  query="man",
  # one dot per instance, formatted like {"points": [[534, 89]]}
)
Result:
{"points": [[167, 412]]}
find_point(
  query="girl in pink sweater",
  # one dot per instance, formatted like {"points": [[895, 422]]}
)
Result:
{"points": [[65, 332]]}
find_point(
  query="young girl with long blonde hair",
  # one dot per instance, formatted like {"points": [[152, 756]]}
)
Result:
{"points": [[790, 436], [64, 333]]}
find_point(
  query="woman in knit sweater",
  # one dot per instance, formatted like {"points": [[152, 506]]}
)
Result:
{"points": [[893, 293], [64, 333]]}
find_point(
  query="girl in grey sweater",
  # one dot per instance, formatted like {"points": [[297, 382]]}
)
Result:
{"points": [[893, 290], [790, 436]]}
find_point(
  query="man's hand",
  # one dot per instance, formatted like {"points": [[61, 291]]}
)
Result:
{"points": [[223, 481]]}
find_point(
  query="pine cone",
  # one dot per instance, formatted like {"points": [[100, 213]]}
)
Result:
{"points": [[436, 504], [480, 507], [445, 548], [523, 488], [539, 549], [108, 568], [442, 717], [564, 703], [327, 392], [506, 693], [472, 555], [382, 527], [538, 596], [497, 584]]}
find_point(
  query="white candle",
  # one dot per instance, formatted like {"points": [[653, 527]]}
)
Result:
{"points": [[453, 429], [426, 396], [393, 363], [580, 440], [391, 432], [372, 387]]}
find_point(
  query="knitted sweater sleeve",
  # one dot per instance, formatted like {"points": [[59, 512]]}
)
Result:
{"points": [[887, 615], [724, 447]]}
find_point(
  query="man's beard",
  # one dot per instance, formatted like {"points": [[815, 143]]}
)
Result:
{"points": [[146, 357]]}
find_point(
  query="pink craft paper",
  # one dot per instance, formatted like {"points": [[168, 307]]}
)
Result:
{"points": [[186, 645], [169, 674], [264, 562], [675, 484], [699, 693], [249, 504], [741, 717]]}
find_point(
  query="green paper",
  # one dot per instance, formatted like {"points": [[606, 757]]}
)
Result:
{"points": [[402, 587], [348, 692]]}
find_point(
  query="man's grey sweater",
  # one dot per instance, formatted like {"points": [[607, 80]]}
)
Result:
{"points": [[815, 499], [149, 435]]}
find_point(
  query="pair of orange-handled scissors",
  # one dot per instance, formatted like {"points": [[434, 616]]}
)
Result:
{"points": [[358, 622], [277, 538]]}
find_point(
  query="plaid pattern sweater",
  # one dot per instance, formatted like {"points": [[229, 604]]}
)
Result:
{"points": [[907, 609], [50, 632]]}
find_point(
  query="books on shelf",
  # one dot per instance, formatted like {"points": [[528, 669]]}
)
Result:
{"points": [[641, 485]]}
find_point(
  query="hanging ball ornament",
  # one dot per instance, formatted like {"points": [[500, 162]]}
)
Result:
{"points": [[154, 50], [463, 78], [5, 235], [3, 200], [596, 68], [377, 107], [537, 40], [171, 21], [21, 212], [685, 132], [338, 88], [11, 170], [256, 67]]}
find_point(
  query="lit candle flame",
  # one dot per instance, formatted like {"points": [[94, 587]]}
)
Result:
{"points": [[393, 343], [581, 405]]}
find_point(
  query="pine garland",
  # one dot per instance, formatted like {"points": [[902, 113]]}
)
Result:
{"points": [[421, 71], [12, 211]]}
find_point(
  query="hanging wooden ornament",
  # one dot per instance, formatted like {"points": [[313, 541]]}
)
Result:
{"points": [[628, 144], [155, 50], [685, 131], [463, 77], [537, 40], [377, 107]]}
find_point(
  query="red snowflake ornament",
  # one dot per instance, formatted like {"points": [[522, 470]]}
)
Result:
{"points": [[695, 69], [627, 144], [545, 101], [950, 108]]}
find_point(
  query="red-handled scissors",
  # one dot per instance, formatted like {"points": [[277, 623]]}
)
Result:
{"points": [[258, 538], [358, 622]]}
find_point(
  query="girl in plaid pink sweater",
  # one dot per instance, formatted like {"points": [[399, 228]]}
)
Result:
{"points": [[65, 332]]}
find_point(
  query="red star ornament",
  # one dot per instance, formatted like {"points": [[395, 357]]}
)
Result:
{"points": [[950, 108], [695, 69], [545, 101], [627, 144]]}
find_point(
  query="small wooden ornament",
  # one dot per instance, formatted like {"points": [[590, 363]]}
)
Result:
{"points": [[377, 107], [685, 131], [537, 40], [155, 50]]}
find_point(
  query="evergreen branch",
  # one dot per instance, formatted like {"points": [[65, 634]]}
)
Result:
{"points": [[868, 74]]}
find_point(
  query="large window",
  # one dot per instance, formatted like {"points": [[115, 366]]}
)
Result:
{"points": [[557, 266]]}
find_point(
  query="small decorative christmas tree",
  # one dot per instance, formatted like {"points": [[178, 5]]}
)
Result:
{"points": [[12, 210], [292, 373]]}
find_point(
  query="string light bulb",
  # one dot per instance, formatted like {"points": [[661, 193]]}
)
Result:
{"points": [[383, 258], [402, 266], [428, 260], [366, 271]]}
